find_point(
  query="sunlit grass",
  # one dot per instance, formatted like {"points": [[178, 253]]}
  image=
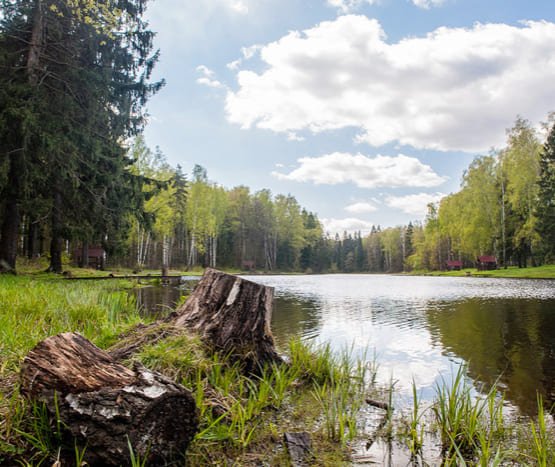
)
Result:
{"points": [[546, 271], [240, 415]]}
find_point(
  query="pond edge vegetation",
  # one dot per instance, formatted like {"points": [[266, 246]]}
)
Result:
{"points": [[244, 418]]}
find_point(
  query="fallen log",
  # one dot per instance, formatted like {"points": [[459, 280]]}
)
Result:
{"points": [[106, 406]]}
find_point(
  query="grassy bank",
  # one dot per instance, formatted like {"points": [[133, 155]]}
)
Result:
{"points": [[540, 272], [243, 419]]}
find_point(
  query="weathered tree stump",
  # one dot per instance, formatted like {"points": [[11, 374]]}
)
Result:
{"points": [[232, 315], [107, 406]]}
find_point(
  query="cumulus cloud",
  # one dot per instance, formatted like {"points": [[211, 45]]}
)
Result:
{"points": [[416, 204], [349, 225], [347, 6], [361, 208], [363, 171], [427, 4], [453, 89], [207, 78]]}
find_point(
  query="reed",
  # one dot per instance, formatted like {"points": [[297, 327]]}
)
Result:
{"points": [[542, 446]]}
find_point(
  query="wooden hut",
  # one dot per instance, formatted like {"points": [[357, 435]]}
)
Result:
{"points": [[248, 265], [486, 263], [454, 265], [96, 256]]}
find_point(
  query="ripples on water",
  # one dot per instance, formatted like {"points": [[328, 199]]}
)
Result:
{"points": [[419, 327], [422, 327]]}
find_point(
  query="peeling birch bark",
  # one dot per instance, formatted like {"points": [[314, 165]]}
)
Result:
{"points": [[104, 405]]}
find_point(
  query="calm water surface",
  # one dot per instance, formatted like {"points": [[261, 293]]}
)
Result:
{"points": [[419, 327], [424, 327]]}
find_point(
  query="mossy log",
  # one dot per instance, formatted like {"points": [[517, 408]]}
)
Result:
{"points": [[106, 406]]}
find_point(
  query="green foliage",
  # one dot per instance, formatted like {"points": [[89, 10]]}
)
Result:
{"points": [[545, 211], [468, 424], [77, 97], [504, 208]]}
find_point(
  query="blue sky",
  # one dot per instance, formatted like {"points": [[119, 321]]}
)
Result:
{"points": [[364, 110]]}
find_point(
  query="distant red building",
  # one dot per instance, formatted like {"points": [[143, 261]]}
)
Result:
{"points": [[486, 263], [454, 265]]}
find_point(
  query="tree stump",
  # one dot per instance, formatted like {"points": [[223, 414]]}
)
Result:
{"points": [[232, 315], [106, 406]]}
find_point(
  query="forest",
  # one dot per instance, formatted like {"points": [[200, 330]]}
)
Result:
{"points": [[75, 172]]}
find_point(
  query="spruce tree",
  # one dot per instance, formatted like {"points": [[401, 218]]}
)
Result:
{"points": [[78, 73]]}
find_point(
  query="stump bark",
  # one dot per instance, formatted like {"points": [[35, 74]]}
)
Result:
{"points": [[107, 406], [232, 315]]}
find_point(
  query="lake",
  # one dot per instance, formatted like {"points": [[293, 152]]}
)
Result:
{"points": [[423, 328]]}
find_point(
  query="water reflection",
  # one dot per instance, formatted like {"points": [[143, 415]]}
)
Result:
{"points": [[509, 340], [418, 327], [423, 327], [157, 301], [297, 317]]}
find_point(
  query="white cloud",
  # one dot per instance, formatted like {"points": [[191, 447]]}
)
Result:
{"points": [[239, 6], [208, 78], [207, 72], [363, 171], [415, 205], [426, 4], [453, 89], [179, 23], [361, 208], [248, 53], [347, 6], [349, 225]]}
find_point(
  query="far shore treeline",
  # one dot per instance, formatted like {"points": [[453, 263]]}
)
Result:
{"points": [[505, 208], [75, 172]]}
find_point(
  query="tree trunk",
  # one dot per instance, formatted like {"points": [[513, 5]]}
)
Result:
{"points": [[33, 57], [32, 238], [56, 240], [232, 315], [106, 406], [8, 235]]}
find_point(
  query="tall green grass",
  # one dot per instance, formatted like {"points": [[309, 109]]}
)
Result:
{"points": [[31, 309], [473, 428]]}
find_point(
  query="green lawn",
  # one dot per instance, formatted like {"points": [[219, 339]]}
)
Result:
{"points": [[541, 272]]}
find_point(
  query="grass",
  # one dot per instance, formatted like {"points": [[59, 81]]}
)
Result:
{"points": [[471, 428], [540, 272], [242, 418]]}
